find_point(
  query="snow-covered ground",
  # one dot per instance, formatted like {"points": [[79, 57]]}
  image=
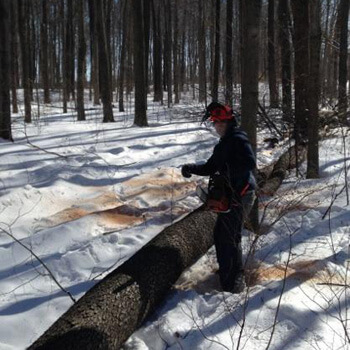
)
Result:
{"points": [[85, 196]]}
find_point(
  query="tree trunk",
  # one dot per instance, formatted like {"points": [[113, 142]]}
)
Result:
{"points": [[176, 53], [301, 68], [64, 56], [251, 11], [23, 29], [44, 53], [229, 58], [114, 308], [314, 88], [215, 86], [168, 51], [81, 61], [271, 55], [286, 53], [139, 65], [122, 55], [147, 24], [157, 54], [5, 101], [103, 60], [201, 53], [343, 56], [14, 55]]}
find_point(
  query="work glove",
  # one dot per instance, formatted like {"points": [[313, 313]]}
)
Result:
{"points": [[186, 170]]}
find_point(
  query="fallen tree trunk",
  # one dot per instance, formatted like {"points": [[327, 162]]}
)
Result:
{"points": [[286, 162], [111, 311]]}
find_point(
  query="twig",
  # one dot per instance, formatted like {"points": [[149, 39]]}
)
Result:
{"points": [[41, 262]]}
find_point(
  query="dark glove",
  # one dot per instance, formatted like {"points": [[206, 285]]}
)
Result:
{"points": [[186, 170]]}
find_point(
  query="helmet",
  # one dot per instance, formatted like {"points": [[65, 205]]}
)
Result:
{"points": [[216, 112]]}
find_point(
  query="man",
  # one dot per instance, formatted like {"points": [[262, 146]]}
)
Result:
{"points": [[234, 159]]}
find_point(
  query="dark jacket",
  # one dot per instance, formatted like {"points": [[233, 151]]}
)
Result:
{"points": [[233, 157]]}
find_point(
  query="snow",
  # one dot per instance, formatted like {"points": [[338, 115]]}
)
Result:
{"points": [[85, 196]]}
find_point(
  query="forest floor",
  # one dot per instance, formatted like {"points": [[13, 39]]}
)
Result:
{"points": [[85, 196]]}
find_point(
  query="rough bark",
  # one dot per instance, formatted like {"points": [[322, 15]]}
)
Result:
{"points": [[273, 88], [343, 56], [105, 80], [214, 93], [122, 56], [139, 65], [23, 36], [81, 61], [5, 101], [286, 162], [301, 68], [201, 53], [250, 69], [157, 54], [14, 55], [229, 58], [111, 311], [286, 53], [44, 53], [314, 88]]}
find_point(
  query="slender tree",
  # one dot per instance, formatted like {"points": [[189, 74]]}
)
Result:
{"points": [[23, 25], [343, 56], [103, 60], [251, 11], [14, 55], [201, 52], [229, 58], [139, 65], [44, 52], [301, 67], [5, 101], [314, 88], [216, 52], [81, 60], [271, 55]]}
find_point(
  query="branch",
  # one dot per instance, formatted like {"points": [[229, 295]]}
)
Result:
{"points": [[41, 262]]}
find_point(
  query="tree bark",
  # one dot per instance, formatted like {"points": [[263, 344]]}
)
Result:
{"points": [[273, 87], [44, 53], [139, 65], [5, 101], [25, 59], [201, 53], [157, 54], [103, 60], [14, 55], [229, 58], [301, 67], [314, 88], [251, 11], [111, 311], [81, 61], [215, 86], [286, 53], [343, 56]]}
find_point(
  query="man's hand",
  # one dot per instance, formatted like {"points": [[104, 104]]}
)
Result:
{"points": [[186, 170]]}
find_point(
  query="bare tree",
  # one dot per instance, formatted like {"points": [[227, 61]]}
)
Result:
{"points": [[44, 52], [314, 88], [5, 101], [286, 53], [103, 60], [215, 86], [139, 65], [343, 56], [201, 52], [229, 58], [23, 25], [271, 55], [81, 60]]}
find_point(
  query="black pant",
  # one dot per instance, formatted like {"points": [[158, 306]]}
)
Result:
{"points": [[227, 239]]}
